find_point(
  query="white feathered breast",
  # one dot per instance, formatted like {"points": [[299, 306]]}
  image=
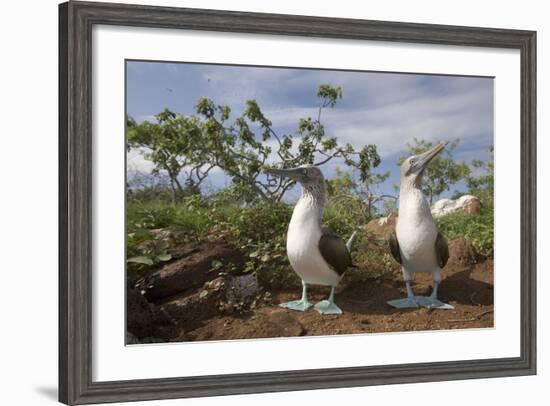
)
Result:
{"points": [[416, 232], [302, 244]]}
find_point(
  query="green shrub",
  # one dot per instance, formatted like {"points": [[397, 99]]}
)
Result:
{"points": [[478, 228], [371, 258], [258, 231], [343, 215]]}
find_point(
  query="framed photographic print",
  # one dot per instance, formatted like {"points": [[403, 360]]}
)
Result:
{"points": [[259, 202]]}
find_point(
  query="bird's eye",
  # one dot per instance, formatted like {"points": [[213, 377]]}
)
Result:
{"points": [[412, 161]]}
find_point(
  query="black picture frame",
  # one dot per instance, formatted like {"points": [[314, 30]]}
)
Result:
{"points": [[76, 20]]}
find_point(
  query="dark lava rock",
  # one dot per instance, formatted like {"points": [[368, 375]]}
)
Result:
{"points": [[144, 319], [462, 252], [194, 264]]}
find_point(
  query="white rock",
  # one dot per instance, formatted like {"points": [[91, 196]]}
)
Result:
{"points": [[468, 204], [382, 221]]}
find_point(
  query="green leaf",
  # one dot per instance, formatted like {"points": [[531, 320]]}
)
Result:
{"points": [[164, 257], [249, 266], [141, 260], [161, 244]]}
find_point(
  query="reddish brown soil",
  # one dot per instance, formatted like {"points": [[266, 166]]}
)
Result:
{"points": [[469, 288]]}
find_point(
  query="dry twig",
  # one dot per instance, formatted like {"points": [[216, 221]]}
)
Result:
{"points": [[476, 318]]}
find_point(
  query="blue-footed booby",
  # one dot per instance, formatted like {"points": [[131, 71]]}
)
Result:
{"points": [[416, 243], [317, 255]]}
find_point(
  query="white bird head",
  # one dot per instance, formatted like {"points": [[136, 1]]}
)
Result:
{"points": [[304, 174], [309, 176], [413, 167]]}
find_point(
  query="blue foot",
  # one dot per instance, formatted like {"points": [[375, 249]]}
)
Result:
{"points": [[299, 305], [406, 303], [433, 303], [327, 307]]}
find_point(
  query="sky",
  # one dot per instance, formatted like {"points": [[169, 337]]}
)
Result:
{"points": [[385, 109]]}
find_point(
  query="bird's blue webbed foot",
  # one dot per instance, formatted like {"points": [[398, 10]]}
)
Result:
{"points": [[410, 302], [432, 301], [406, 303], [300, 305], [328, 306]]}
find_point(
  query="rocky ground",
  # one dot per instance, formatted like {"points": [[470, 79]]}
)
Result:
{"points": [[216, 306], [365, 310]]}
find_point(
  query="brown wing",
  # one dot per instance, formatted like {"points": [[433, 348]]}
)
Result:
{"points": [[334, 251], [441, 250], [394, 247]]}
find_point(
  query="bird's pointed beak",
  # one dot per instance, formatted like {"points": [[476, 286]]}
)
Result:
{"points": [[425, 158], [291, 173]]}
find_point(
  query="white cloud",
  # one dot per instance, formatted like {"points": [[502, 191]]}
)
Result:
{"points": [[136, 162], [388, 110], [149, 117], [465, 115]]}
